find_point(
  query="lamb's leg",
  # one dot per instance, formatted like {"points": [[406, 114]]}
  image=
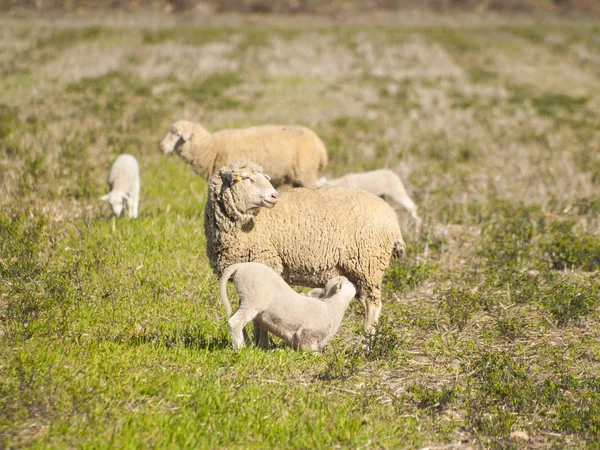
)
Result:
{"points": [[261, 337], [136, 203], [236, 324]]}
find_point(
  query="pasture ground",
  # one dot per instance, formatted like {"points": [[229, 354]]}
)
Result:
{"points": [[490, 328]]}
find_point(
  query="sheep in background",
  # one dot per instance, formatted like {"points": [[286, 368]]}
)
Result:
{"points": [[304, 322], [383, 183], [290, 154], [311, 236], [124, 186]]}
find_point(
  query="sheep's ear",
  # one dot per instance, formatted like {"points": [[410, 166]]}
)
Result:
{"points": [[267, 177], [104, 198], [127, 196], [316, 293], [233, 177], [186, 135]]}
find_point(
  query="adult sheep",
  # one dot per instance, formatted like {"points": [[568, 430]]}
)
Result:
{"points": [[290, 154], [311, 236]]}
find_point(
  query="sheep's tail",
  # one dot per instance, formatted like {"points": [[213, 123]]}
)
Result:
{"points": [[227, 274], [399, 248]]}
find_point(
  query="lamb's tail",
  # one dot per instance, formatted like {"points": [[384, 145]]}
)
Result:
{"points": [[227, 274], [399, 248]]}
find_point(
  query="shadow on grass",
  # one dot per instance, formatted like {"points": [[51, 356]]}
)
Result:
{"points": [[187, 339]]}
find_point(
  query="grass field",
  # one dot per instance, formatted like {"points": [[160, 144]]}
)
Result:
{"points": [[490, 331]]}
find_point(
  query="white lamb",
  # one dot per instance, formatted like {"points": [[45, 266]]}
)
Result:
{"points": [[124, 185], [383, 183], [303, 322]]}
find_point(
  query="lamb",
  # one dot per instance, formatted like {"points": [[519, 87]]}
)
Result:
{"points": [[124, 186], [383, 183], [303, 322], [311, 236], [291, 154]]}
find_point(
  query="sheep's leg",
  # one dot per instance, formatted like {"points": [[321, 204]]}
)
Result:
{"points": [[236, 324], [370, 298]]}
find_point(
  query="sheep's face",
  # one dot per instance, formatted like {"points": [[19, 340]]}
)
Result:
{"points": [[338, 285], [179, 134], [256, 189], [117, 201]]}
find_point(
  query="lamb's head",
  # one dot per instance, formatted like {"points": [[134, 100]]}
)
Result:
{"points": [[117, 201], [242, 189], [336, 285], [179, 133]]}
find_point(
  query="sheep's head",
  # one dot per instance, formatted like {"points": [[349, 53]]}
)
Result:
{"points": [[179, 133], [117, 201], [241, 189]]}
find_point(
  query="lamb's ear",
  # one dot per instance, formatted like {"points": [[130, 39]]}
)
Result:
{"points": [[316, 293], [127, 196], [104, 198]]}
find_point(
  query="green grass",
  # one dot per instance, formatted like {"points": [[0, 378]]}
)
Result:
{"points": [[489, 330]]}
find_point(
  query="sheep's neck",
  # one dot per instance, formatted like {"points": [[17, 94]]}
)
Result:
{"points": [[198, 154]]}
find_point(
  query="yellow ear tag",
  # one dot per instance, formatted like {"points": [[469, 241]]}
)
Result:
{"points": [[238, 177]]}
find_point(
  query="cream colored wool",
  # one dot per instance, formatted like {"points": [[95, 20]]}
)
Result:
{"points": [[289, 154], [309, 237], [265, 299]]}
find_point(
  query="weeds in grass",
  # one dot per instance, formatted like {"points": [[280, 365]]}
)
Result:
{"points": [[211, 91], [564, 248]]}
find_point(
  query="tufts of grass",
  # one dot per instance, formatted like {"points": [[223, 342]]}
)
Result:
{"points": [[185, 35], [549, 104], [64, 38], [566, 248], [568, 300], [210, 92], [8, 120], [405, 275]]}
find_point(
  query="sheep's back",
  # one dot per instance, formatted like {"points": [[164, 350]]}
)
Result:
{"points": [[321, 233], [275, 147]]}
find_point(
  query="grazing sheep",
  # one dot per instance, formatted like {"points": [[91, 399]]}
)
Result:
{"points": [[304, 322], [383, 183], [124, 185], [311, 236], [290, 154]]}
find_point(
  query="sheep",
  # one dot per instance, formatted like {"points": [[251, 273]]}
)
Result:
{"points": [[291, 154], [303, 322], [383, 183], [306, 235], [124, 186]]}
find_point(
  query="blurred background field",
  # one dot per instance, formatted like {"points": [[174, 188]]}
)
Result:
{"points": [[489, 111]]}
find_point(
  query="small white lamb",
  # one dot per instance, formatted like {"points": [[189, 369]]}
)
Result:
{"points": [[383, 183], [303, 322], [124, 185]]}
